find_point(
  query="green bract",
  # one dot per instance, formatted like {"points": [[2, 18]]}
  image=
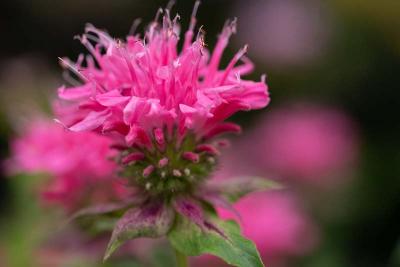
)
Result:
{"points": [[188, 220], [230, 246]]}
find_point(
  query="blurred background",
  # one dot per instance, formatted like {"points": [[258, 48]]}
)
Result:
{"points": [[331, 132]]}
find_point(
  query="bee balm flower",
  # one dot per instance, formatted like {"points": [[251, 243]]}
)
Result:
{"points": [[162, 105], [309, 143], [77, 164], [163, 108]]}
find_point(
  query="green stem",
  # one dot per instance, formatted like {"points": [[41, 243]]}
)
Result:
{"points": [[181, 259]]}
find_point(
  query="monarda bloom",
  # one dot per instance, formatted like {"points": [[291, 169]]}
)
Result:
{"points": [[77, 165], [165, 110], [308, 143]]}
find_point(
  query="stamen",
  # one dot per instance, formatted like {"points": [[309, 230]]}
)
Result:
{"points": [[104, 38], [195, 8], [228, 30], [158, 14], [232, 63], [66, 63], [189, 33], [132, 71], [134, 26], [69, 79], [170, 4]]}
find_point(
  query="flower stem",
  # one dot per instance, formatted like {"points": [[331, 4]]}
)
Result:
{"points": [[181, 259]]}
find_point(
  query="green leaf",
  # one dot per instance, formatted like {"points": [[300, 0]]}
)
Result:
{"points": [[234, 189], [232, 247], [152, 220]]}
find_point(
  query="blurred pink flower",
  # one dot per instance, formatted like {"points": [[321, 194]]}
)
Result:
{"points": [[78, 163], [139, 87], [306, 142], [276, 223]]}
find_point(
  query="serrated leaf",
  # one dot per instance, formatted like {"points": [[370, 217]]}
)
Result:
{"points": [[233, 248], [151, 220], [234, 189]]}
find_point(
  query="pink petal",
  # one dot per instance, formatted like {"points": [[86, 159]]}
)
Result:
{"points": [[75, 93], [91, 122]]}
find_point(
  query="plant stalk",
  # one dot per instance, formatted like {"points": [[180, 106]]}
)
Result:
{"points": [[181, 259]]}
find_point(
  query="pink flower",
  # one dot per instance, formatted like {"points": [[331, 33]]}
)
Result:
{"points": [[306, 142], [276, 223], [162, 107], [78, 164], [137, 87]]}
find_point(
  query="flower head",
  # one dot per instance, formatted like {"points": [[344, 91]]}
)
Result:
{"points": [[163, 109], [308, 143], [161, 105]]}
